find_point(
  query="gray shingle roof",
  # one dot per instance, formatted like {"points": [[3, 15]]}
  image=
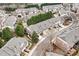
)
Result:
{"points": [[10, 21], [40, 27], [13, 47]]}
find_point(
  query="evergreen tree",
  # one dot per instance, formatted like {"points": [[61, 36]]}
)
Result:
{"points": [[19, 29], [7, 34], [35, 37]]}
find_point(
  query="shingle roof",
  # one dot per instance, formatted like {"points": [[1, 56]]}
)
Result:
{"points": [[10, 21], [40, 27], [13, 47]]}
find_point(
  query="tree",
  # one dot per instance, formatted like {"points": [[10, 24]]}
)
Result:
{"points": [[9, 9], [19, 29], [34, 37], [0, 34], [39, 18], [7, 34]]}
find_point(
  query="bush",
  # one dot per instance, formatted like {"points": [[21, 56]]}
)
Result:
{"points": [[2, 43], [19, 29], [7, 34], [39, 18], [34, 37]]}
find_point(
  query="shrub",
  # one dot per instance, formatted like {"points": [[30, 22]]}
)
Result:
{"points": [[1, 43]]}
